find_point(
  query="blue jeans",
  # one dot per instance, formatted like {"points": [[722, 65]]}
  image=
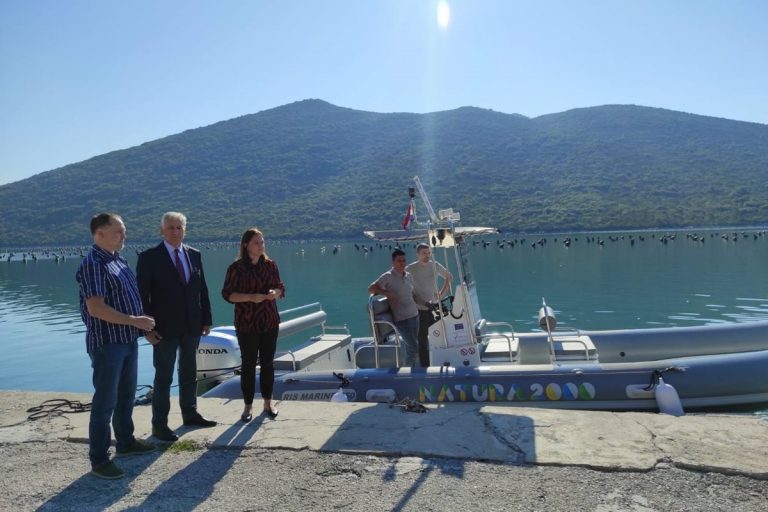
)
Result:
{"points": [[409, 333], [114, 382], [164, 359]]}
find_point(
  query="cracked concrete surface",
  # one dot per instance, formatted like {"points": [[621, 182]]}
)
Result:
{"points": [[601, 440], [606, 441]]}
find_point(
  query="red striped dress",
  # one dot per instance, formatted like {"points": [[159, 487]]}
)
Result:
{"points": [[245, 277]]}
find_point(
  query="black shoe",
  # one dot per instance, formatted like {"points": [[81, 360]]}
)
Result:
{"points": [[272, 413], [164, 434], [245, 418], [107, 471], [138, 447], [199, 421]]}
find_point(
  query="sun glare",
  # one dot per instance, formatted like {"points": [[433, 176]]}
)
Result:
{"points": [[443, 15]]}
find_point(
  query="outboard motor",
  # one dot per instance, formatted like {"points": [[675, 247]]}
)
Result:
{"points": [[218, 356]]}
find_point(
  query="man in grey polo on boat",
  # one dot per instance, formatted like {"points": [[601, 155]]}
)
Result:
{"points": [[425, 271], [397, 286]]}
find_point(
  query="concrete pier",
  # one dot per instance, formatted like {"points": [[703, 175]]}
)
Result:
{"points": [[732, 448]]}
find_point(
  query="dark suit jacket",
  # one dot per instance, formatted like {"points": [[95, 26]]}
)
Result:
{"points": [[178, 309]]}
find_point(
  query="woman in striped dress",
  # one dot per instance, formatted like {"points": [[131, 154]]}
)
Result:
{"points": [[253, 284]]}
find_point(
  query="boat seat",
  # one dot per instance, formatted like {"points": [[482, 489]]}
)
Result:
{"points": [[535, 350], [305, 356], [574, 348], [382, 317], [497, 349], [495, 346], [365, 356]]}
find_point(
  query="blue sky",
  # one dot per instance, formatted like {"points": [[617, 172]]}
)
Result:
{"points": [[81, 78]]}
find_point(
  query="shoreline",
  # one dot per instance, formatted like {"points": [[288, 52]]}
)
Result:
{"points": [[86, 244]]}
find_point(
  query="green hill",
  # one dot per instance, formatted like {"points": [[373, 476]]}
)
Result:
{"points": [[312, 169]]}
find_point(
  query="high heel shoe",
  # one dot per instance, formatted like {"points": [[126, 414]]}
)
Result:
{"points": [[246, 417], [272, 413]]}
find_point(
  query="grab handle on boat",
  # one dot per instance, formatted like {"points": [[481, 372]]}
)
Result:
{"points": [[656, 375], [343, 380]]}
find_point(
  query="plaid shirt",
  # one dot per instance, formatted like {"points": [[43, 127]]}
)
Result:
{"points": [[102, 274]]}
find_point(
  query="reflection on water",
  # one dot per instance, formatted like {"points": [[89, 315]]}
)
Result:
{"points": [[616, 284]]}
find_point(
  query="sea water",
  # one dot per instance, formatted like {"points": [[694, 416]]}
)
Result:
{"points": [[598, 281]]}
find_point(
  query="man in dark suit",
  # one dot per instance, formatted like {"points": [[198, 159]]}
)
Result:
{"points": [[174, 292]]}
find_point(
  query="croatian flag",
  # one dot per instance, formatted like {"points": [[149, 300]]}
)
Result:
{"points": [[409, 216]]}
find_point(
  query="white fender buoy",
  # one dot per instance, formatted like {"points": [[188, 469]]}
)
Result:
{"points": [[339, 396], [667, 399]]}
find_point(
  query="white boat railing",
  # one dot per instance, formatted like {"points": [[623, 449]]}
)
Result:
{"points": [[480, 335], [303, 323], [548, 324], [569, 336]]}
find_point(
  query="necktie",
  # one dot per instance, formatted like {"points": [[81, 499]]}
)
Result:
{"points": [[180, 268]]}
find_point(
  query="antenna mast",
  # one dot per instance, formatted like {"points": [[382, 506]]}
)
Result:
{"points": [[423, 194]]}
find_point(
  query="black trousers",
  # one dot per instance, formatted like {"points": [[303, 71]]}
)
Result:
{"points": [[257, 348], [164, 359], [425, 320]]}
